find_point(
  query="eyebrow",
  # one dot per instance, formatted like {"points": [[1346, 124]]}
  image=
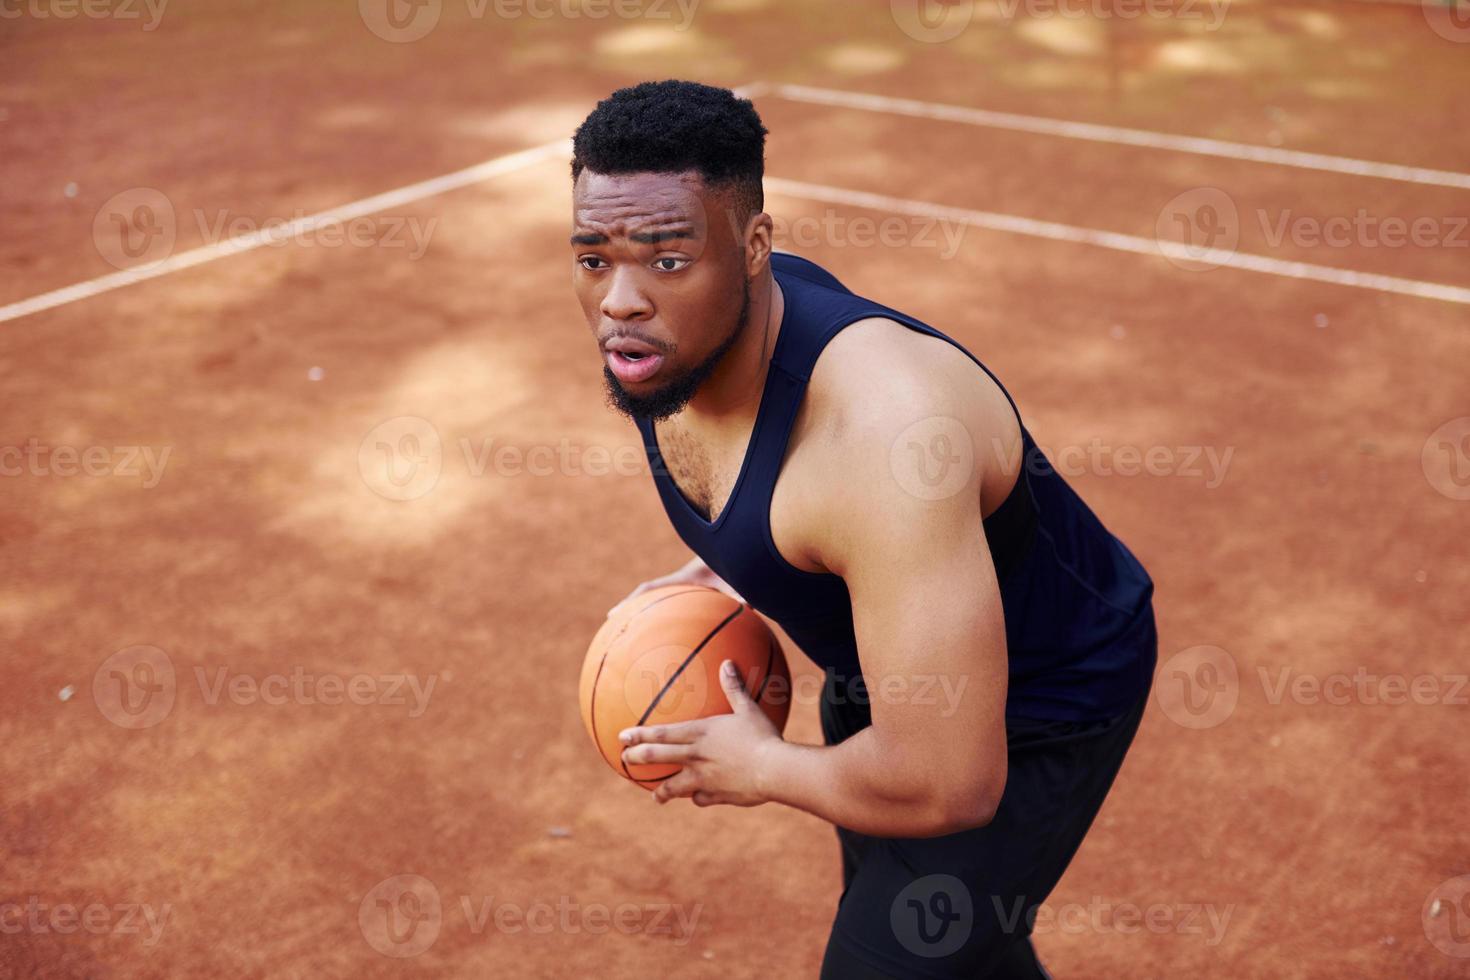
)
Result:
{"points": [[638, 237]]}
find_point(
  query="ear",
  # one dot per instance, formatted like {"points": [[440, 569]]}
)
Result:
{"points": [[759, 237]]}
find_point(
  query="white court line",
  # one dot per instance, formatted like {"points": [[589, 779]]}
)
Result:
{"points": [[346, 212], [268, 236], [999, 222], [1117, 134], [1122, 243]]}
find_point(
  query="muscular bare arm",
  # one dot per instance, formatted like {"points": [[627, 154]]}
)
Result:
{"points": [[926, 608]]}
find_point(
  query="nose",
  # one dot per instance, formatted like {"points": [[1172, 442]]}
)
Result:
{"points": [[624, 299]]}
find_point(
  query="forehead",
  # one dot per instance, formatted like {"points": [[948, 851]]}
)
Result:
{"points": [[612, 202]]}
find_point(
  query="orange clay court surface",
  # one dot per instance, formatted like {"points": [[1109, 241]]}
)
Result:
{"points": [[1305, 516]]}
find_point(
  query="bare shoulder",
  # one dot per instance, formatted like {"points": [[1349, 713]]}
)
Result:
{"points": [[877, 378], [895, 422]]}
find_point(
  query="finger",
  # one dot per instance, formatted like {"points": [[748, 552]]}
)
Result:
{"points": [[734, 688], [682, 783], [677, 733], [703, 797], [643, 754]]}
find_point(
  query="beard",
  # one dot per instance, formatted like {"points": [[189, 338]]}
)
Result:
{"points": [[671, 398]]}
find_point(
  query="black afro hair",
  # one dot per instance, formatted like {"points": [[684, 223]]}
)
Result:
{"points": [[675, 126]]}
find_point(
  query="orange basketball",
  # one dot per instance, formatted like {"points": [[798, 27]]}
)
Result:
{"points": [[657, 661]]}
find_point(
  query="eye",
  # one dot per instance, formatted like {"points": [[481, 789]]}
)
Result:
{"points": [[670, 263], [590, 262]]}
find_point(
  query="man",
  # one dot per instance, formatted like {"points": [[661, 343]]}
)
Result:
{"points": [[865, 482]]}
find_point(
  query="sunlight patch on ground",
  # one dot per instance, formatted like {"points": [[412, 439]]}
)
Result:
{"points": [[1314, 22], [1068, 37], [862, 59], [1202, 56], [18, 606], [525, 124], [398, 473], [675, 53], [635, 42]]}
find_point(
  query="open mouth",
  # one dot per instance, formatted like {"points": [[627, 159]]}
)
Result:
{"points": [[633, 367], [631, 360]]}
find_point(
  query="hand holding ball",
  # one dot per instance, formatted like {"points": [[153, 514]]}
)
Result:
{"points": [[657, 661]]}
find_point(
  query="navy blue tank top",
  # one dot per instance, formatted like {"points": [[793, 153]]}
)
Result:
{"points": [[1078, 606]]}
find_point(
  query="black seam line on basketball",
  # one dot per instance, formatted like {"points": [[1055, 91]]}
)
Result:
{"points": [[687, 661], [664, 598], [592, 708], [770, 659]]}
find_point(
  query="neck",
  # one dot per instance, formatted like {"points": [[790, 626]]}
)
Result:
{"points": [[734, 389]]}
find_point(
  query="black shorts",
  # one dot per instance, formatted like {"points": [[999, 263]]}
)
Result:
{"points": [[961, 905]]}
